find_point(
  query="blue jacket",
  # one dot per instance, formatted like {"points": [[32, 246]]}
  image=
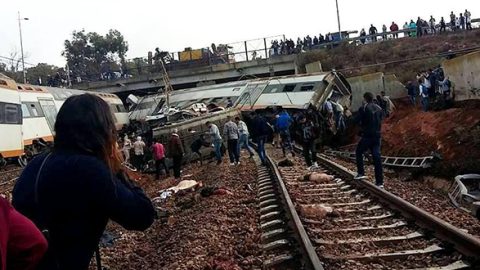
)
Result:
{"points": [[283, 122], [77, 195]]}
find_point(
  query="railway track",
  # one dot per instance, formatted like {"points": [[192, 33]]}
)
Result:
{"points": [[370, 228]]}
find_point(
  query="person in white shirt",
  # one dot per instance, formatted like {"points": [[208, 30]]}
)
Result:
{"points": [[243, 141], [424, 95], [138, 150], [468, 19], [214, 133], [231, 134], [127, 145]]}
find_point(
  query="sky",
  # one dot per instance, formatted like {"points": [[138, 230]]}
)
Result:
{"points": [[173, 25]]}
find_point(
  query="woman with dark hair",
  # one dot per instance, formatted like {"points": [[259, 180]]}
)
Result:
{"points": [[72, 192]]}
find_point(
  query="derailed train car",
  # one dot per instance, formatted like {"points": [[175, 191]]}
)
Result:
{"points": [[28, 114], [295, 93]]}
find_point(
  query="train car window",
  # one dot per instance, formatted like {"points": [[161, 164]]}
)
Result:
{"points": [[274, 88], [13, 114], [216, 100], [289, 88], [34, 110], [19, 87], [236, 89], [121, 108], [25, 111], [307, 87], [113, 108]]}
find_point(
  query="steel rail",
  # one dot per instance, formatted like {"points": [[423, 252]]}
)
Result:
{"points": [[304, 240], [463, 242]]}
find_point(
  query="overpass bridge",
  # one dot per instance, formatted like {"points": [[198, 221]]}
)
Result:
{"points": [[186, 78]]}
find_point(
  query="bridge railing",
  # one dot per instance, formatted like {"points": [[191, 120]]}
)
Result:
{"points": [[244, 51]]}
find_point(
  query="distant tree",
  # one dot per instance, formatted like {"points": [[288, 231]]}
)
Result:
{"points": [[89, 55], [136, 66], [41, 73]]}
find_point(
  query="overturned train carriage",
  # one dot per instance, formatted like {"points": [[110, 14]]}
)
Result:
{"points": [[294, 93]]}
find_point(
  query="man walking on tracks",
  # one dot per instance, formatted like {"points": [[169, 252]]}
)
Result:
{"points": [[230, 132], [214, 133], [283, 124], [370, 117], [307, 135], [261, 130], [243, 140]]}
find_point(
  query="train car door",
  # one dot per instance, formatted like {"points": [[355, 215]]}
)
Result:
{"points": [[49, 110]]}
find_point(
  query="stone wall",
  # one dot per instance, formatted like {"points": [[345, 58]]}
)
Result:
{"points": [[375, 83], [464, 72]]}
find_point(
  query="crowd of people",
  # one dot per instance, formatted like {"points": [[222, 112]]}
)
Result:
{"points": [[432, 87], [414, 28]]}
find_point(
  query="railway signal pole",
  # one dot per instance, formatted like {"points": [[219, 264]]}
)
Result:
{"points": [[21, 46]]}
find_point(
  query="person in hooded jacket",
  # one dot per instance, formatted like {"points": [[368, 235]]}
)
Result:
{"points": [[72, 192], [22, 245]]}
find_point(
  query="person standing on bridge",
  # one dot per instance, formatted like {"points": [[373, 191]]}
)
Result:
{"points": [[214, 133], [432, 24], [394, 28], [468, 19], [443, 25], [370, 117], [373, 31], [230, 132]]}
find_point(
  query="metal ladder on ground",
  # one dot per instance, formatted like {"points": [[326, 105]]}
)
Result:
{"points": [[400, 162]]}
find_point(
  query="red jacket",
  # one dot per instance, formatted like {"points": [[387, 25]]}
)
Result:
{"points": [[22, 245], [158, 151]]}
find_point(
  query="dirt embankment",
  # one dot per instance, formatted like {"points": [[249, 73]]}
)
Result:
{"points": [[348, 58], [453, 133]]}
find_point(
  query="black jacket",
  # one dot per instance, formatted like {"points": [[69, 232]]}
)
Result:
{"points": [[260, 127], [370, 117], [77, 195]]}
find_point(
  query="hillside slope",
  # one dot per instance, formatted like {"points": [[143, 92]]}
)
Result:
{"points": [[349, 58]]}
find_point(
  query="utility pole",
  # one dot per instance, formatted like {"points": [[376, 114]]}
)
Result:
{"points": [[338, 18], [21, 46]]}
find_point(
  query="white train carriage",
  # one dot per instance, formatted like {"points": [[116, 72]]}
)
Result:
{"points": [[118, 109], [217, 94], [186, 99], [146, 106], [295, 92], [39, 114], [10, 121], [115, 103]]}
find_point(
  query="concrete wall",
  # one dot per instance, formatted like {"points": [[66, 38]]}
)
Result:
{"points": [[375, 83], [464, 72], [314, 67]]}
